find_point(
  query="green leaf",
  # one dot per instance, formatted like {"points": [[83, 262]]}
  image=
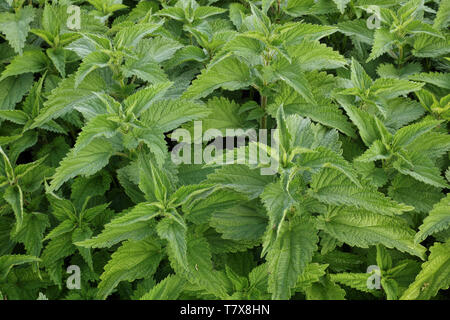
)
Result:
{"points": [[167, 115], [297, 32], [98, 127], [14, 196], [30, 61], [141, 101], [331, 187], [416, 27], [143, 211], [370, 127], [383, 258], [258, 280], [54, 253], [390, 287], [325, 289], [200, 208], [50, 19], [356, 281], [431, 145], [228, 73], [186, 54], [240, 178], [266, 4], [32, 232], [391, 88], [65, 227], [434, 276], [414, 193], [294, 77], [312, 273], [442, 19], [200, 272], [408, 134], [80, 234], [158, 49], [388, 70], [325, 158], [313, 55], [95, 60], [169, 288], [84, 188], [377, 151], [133, 260], [439, 79], [54, 151], [224, 114], [13, 89], [175, 13], [146, 69], [156, 181], [277, 202], [16, 26], [421, 168], [86, 162], [360, 78], [357, 29], [246, 47], [187, 192], [137, 224], [61, 208], [130, 36], [341, 4], [16, 116], [9, 261], [383, 41], [429, 46], [65, 98], [203, 12], [89, 215], [401, 111], [258, 21], [174, 231], [437, 220], [58, 57], [322, 111], [46, 36], [242, 222], [363, 228], [289, 255]]}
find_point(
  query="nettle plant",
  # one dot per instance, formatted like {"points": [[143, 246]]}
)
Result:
{"points": [[355, 93]]}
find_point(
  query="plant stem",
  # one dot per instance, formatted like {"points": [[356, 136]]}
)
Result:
{"points": [[400, 56], [264, 106]]}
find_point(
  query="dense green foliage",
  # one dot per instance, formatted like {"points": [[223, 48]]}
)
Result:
{"points": [[359, 91]]}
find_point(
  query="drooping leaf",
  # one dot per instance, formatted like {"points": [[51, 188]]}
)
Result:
{"points": [[133, 260], [433, 276], [289, 255]]}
